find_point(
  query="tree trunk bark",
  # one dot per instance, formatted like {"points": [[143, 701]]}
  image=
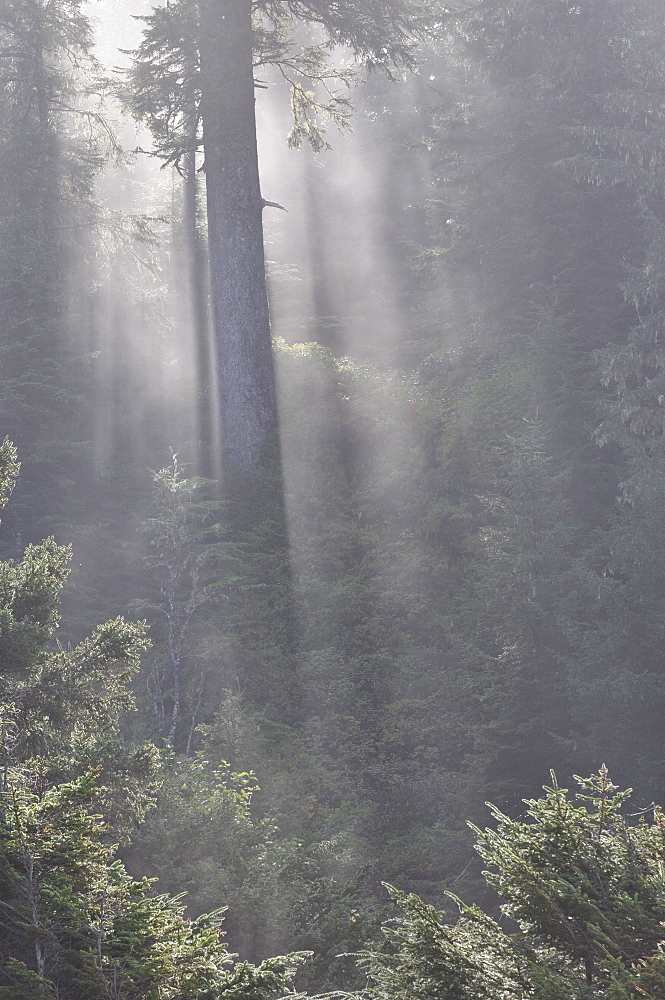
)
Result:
{"points": [[241, 319], [198, 314]]}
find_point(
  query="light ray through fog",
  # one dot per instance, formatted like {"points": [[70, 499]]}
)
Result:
{"points": [[332, 276], [139, 335], [330, 238], [451, 577], [334, 280]]}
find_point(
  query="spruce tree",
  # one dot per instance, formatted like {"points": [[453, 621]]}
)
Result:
{"points": [[584, 891]]}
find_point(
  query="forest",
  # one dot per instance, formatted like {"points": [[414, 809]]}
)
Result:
{"points": [[332, 590]]}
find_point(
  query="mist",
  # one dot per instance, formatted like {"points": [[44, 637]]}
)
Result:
{"points": [[368, 433]]}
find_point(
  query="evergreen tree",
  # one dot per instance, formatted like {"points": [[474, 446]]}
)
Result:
{"points": [[74, 924], [77, 926], [61, 708], [53, 143], [229, 35], [585, 891], [520, 632]]}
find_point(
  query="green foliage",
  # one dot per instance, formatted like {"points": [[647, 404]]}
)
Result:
{"points": [[76, 926], [60, 709], [164, 87], [63, 706], [585, 890], [203, 840], [9, 469]]}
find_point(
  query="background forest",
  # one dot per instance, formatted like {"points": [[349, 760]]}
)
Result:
{"points": [[447, 577]]}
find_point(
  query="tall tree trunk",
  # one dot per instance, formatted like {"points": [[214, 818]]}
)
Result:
{"points": [[241, 320], [198, 313]]}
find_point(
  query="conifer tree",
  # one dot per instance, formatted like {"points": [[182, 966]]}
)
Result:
{"points": [[585, 889], [74, 924], [53, 143], [229, 37]]}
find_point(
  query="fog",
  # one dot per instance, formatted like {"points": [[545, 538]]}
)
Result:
{"points": [[399, 560]]}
